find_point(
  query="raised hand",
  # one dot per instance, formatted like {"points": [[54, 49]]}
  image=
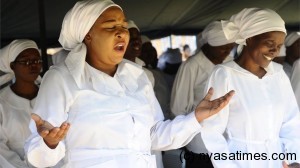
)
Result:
{"points": [[51, 135], [207, 107]]}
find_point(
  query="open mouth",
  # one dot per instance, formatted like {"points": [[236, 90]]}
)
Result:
{"points": [[120, 46], [268, 57]]}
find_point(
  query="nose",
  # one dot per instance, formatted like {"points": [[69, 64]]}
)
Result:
{"points": [[121, 32]]}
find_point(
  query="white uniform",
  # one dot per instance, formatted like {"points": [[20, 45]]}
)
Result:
{"points": [[262, 117], [115, 121], [187, 91], [295, 80], [14, 119], [287, 69]]}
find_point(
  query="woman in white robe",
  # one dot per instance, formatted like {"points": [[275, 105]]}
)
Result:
{"points": [[98, 110], [19, 59], [262, 120]]}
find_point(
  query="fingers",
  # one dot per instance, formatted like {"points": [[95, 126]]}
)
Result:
{"points": [[37, 119], [209, 94], [221, 102], [58, 133], [64, 128]]}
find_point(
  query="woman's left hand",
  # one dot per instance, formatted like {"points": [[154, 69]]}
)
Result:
{"points": [[207, 107]]}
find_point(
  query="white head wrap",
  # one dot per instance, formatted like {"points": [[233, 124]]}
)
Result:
{"points": [[131, 24], [79, 20], [213, 35], [59, 56], [251, 22], [76, 24], [9, 53], [291, 38]]}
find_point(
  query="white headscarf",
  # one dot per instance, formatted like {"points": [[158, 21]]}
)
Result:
{"points": [[131, 24], [59, 56], [251, 22], [9, 53], [79, 20], [291, 38], [213, 35], [76, 24]]}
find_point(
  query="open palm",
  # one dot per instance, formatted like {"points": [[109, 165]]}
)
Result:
{"points": [[207, 107]]}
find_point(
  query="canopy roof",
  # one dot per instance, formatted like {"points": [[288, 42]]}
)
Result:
{"points": [[41, 20]]}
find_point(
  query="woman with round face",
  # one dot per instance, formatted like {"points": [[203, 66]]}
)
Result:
{"points": [[20, 60], [98, 110], [263, 118]]}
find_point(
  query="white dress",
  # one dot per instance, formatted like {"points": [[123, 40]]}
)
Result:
{"points": [[14, 119], [115, 121], [295, 80], [262, 118]]}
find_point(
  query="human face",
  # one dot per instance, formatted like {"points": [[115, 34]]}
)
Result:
{"points": [[27, 72], [107, 40], [263, 48], [219, 53], [134, 48]]}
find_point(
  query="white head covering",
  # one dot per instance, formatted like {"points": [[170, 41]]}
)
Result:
{"points": [[59, 56], [251, 22], [79, 20], [213, 35], [131, 24], [76, 24], [291, 38], [9, 53]]}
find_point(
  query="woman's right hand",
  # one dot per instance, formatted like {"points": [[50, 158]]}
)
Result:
{"points": [[51, 135]]}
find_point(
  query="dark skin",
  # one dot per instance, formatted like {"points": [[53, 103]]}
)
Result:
{"points": [[260, 51], [134, 48], [293, 52], [217, 54], [106, 43], [26, 74]]}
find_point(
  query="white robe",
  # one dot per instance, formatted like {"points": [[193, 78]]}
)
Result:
{"points": [[14, 119], [262, 117], [187, 91], [115, 121], [295, 80]]}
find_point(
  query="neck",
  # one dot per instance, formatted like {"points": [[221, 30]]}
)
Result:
{"points": [[27, 90], [108, 69], [250, 66]]}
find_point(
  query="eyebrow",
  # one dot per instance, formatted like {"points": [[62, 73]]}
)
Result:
{"points": [[112, 21]]}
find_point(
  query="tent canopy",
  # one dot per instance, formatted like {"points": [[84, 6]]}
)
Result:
{"points": [[41, 20]]}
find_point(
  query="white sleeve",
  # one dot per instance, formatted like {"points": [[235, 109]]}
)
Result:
{"points": [[52, 105], [295, 80], [290, 129], [182, 96], [9, 158], [171, 134], [214, 127]]}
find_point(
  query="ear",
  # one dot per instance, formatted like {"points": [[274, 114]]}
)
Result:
{"points": [[87, 37]]}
